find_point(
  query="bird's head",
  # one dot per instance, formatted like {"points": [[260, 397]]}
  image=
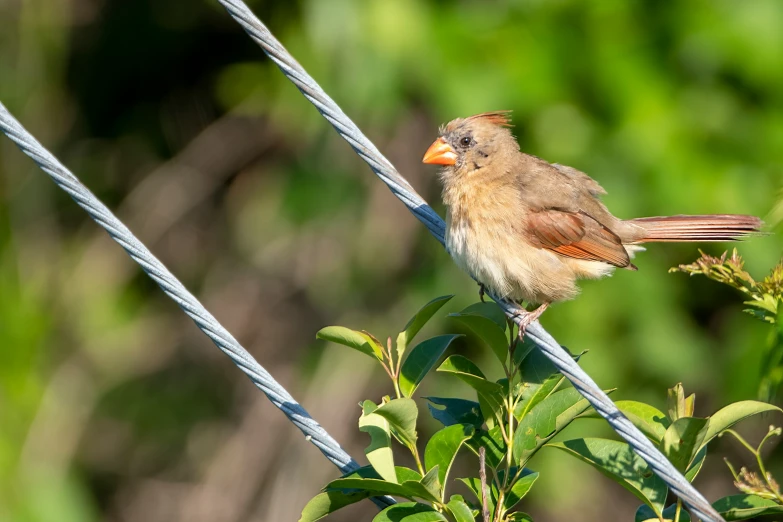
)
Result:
{"points": [[468, 145]]}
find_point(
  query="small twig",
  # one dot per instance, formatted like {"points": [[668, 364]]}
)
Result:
{"points": [[484, 489]]}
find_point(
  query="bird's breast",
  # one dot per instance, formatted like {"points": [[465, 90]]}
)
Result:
{"points": [[490, 245]]}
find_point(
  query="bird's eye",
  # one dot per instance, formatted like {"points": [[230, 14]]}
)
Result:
{"points": [[465, 141]]}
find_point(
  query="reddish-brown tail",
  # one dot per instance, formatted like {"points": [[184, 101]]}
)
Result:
{"points": [[717, 227]]}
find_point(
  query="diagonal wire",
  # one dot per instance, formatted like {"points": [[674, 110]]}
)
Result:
{"points": [[424, 213], [177, 291]]}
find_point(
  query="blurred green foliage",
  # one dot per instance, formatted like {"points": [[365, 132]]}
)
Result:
{"points": [[113, 406]]}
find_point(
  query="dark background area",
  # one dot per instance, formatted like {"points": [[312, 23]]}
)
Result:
{"points": [[113, 406]]}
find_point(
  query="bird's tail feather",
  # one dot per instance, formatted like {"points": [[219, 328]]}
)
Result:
{"points": [[715, 227]]}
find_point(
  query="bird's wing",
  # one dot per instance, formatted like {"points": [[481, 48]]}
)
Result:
{"points": [[576, 235], [582, 179]]}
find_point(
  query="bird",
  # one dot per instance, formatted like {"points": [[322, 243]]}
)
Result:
{"points": [[527, 230]]}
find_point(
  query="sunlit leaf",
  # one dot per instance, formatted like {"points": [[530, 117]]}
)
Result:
{"points": [[727, 417], [353, 339], [696, 464], [409, 512], [474, 485], [442, 448], [617, 461], [519, 517], [682, 441], [743, 507], [539, 379], [379, 452], [418, 321], [373, 486], [490, 393], [328, 502], [545, 420], [428, 488], [455, 411], [460, 509], [402, 473], [492, 441], [421, 360], [650, 420], [489, 332], [679, 405], [489, 310], [520, 488], [401, 414]]}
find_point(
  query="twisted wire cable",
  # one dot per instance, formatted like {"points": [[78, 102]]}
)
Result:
{"points": [[177, 291], [424, 213]]}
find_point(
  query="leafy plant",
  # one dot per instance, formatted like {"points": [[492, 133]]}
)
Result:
{"points": [[680, 436], [761, 492], [764, 304], [509, 421]]}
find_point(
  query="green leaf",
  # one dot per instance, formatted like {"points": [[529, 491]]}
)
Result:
{"points": [[328, 502], [401, 414], [539, 379], [442, 448], [492, 441], [532, 394], [409, 512], [429, 492], [489, 310], [432, 484], [617, 461], [371, 485], [727, 417], [650, 420], [520, 488], [519, 517], [743, 507], [645, 514], [379, 452], [402, 473], [455, 411], [490, 394], [696, 464], [352, 339], [474, 485], [421, 360], [460, 509], [679, 405], [418, 321], [489, 332], [545, 420], [682, 441]]}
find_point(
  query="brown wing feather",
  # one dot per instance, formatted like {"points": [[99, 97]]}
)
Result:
{"points": [[577, 235]]}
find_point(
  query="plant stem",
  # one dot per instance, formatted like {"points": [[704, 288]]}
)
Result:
{"points": [[742, 441], [417, 458], [677, 511], [483, 477], [396, 387]]}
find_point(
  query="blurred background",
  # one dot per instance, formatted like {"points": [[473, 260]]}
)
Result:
{"points": [[113, 405]]}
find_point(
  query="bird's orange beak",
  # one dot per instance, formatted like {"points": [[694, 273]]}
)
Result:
{"points": [[440, 153]]}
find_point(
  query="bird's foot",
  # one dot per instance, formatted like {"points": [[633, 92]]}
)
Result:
{"points": [[482, 291], [527, 318]]}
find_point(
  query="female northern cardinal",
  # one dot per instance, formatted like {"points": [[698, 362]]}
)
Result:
{"points": [[527, 229]]}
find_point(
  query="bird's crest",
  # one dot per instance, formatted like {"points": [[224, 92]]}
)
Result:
{"points": [[499, 118]]}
